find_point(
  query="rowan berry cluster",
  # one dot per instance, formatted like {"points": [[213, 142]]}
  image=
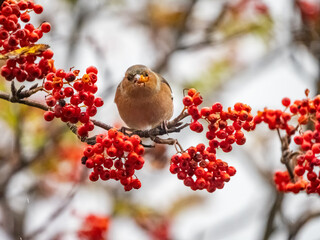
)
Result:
{"points": [[310, 10], [221, 133], [284, 183], [115, 156], [71, 98], [198, 167], [23, 67], [94, 227], [306, 161], [277, 119]]}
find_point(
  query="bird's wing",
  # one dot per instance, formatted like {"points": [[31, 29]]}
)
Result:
{"points": [[165, 82]]}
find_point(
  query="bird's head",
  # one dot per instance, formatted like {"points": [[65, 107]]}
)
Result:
{"points": [[139, 78]]}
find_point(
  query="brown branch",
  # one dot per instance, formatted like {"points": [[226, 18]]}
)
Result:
{"points": [[180, 33], [218, 20], [286, 154], [213, 25], [168, 141], [174, 125], [64, 204], [275, 208], [28, 102], [210, 42], [302, 220]]}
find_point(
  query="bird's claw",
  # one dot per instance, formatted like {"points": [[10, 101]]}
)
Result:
{"points": [[164, 126]]}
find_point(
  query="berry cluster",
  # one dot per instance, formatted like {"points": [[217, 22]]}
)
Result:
{"points": [[71, 98], [25, 61], [94, 227], [199, 169], [277, 119], [306, 161], [221, 133], [284, 184], [198, 166], [310, 10], [115, 156]]}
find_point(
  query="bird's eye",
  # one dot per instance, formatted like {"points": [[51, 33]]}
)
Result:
{"points": [[146, 74], [130, 77]]}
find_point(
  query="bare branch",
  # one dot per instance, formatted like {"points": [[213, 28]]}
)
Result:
{"points": [[180, 33], [275, 208], [28, 102], [287, 155], [302, 220], [64, 204], [174, 125]]}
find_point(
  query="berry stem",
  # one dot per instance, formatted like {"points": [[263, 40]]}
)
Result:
{"points": [[287, 155]]}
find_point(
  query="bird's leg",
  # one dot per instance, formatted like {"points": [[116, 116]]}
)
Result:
{"points": [[164, 126], [125, 129]]}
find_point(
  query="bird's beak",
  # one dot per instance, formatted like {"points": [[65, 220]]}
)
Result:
{"points": [[140, 78]]}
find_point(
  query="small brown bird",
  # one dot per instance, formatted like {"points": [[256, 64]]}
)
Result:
{"points": [[144, 98]]}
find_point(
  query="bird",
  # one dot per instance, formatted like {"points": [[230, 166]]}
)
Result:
{"points": [[144, 98]]}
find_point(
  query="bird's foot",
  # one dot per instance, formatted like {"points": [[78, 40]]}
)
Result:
{"points": [[124, 130], [164, 126]]}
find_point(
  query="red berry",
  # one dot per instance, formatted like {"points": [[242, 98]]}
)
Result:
{"points": [[45, 27], [47, 54], [217, 107], [51, 101], [174, 169], [98, 102], [286, 102], [135, 140], [197, 99], [112, 133], [139, 150], [89, 163], [136, 184], [48, 116], [191, 92], [68, 91], [94, 177], [231, 171], [205, 112], [82, 131], [92, 69], [196, 126], [37, 8], [23, 5], [187, 101], [127, 146], [25, 17]]}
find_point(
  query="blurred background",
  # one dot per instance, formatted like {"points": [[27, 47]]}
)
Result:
{"points": [[252, 51]]}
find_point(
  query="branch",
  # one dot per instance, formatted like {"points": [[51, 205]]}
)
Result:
{"points": [[168, 141], [207, 41], [275, 208], [174, 125], [15, 99], [64, 204], [302, 220], [181, 31], [286, 154]]}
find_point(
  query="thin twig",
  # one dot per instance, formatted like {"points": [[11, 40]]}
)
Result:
{"points": [[64, 204], [174, 125], [302, 220], [180, 33], [275, 208], [287, 154]]}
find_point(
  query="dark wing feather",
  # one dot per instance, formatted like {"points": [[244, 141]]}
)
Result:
{"points": [[165, 82]]}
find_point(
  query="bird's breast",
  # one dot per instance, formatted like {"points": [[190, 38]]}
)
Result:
{"points": [[141, 112]]}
